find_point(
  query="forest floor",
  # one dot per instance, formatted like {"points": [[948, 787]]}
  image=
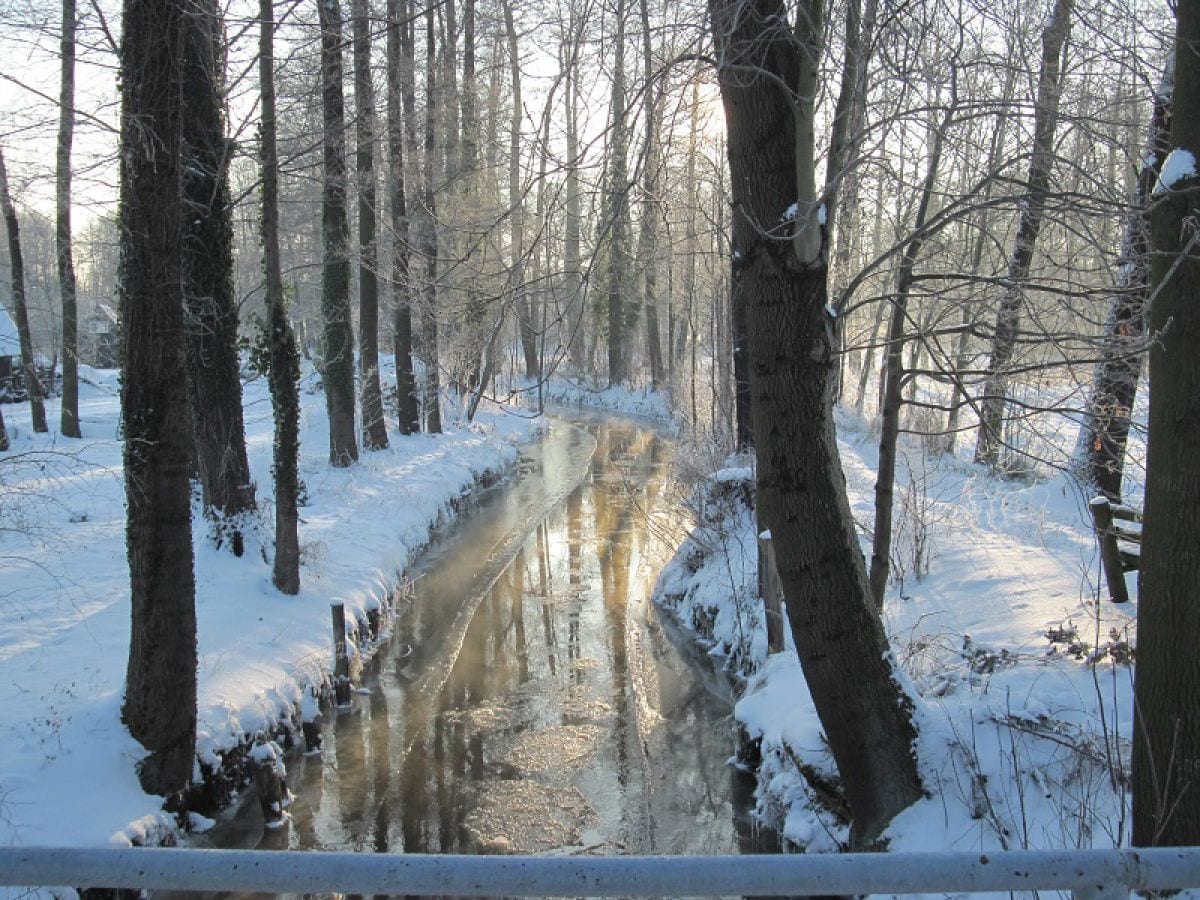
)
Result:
{"points": [[1022, 675], [66, 762]]}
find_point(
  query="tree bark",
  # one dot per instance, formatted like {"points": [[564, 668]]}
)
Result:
{"points": [[284, 374], [374, 428], [69, 422], [1106, 424], [1008, 318], [648, 237], [1166, 743], [210, 305], [160, 684], [617, 202], [573, 224], [885, 480], [37, 406], [337, 369], [433, 418], [801, 489], [516, 205], [399, 78]]}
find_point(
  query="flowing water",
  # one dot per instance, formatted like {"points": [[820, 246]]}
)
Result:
{"points": [[532, 701]]}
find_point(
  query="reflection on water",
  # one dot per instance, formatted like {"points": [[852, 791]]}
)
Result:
{"points": [[543, 708]]}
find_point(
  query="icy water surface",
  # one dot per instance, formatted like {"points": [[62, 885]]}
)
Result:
{"points": [[532, 701]]}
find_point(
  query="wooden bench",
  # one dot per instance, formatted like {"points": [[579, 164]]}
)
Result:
{"points": [[1117, 559]]}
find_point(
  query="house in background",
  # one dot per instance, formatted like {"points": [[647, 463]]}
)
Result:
{"points": [[102, 335], [12, 385]]}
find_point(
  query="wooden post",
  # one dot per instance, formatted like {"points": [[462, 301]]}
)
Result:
{"points": [[1110, 553], [771, 592], [341, 660], [273, 796]]}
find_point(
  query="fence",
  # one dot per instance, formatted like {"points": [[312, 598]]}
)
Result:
{"points": [[1091, 874]]}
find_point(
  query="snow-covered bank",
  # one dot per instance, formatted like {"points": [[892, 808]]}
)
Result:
{"points": [[67, 769], [1022, 679], [630, 401]]}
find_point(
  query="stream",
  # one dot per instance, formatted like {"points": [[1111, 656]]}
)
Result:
{"points": [[531, 699]]}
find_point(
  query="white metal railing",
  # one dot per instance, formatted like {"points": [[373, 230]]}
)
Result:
{"points": [[1091, 874]]}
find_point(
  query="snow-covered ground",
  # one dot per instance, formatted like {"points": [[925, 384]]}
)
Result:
{"points": [[67, 764], [1022, 674]]}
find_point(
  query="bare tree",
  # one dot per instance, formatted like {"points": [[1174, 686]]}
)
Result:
{"points": [[1106, 424], [210, 304], [69, 424], [1008, 318], [767, 67], [1166, 797], [37, 407], [399, 81], [160, 682], [285, 360], [374, 429], [337, 368]]}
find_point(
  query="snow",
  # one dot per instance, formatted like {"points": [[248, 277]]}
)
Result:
{"points": [[822, 215], [1180, 164], [1021, 675], [789, 214], [67, 771]]}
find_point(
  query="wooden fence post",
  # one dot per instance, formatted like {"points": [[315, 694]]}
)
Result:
{"points": [[771, 592], [1110, 553], [341, 660]]}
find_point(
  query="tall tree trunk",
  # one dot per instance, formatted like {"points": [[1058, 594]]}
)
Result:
{"points": [[618, 209], [573, 224], [69, 424], [1008, 319], [337, 370], [450, 94], [399, 81], [210, 306], [37, 407], [516, 204], [469, 141], [648, 238], [160, 682], [801, 489], [885, 480], [433, 375], [958, 395], [4, 444], [690, 245], [374, 429], [1166, 740], [1114, 385], [284, 375]]}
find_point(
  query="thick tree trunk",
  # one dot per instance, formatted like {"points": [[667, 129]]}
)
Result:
{"points": [[801, 489], [210, 306], [433, 416], [337, 369], [69, 423], [1166, 742], [1114, 386], [374, 429], [1008, 318], [284, 375], [37, 407], [160, 684], [400, 78]]}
